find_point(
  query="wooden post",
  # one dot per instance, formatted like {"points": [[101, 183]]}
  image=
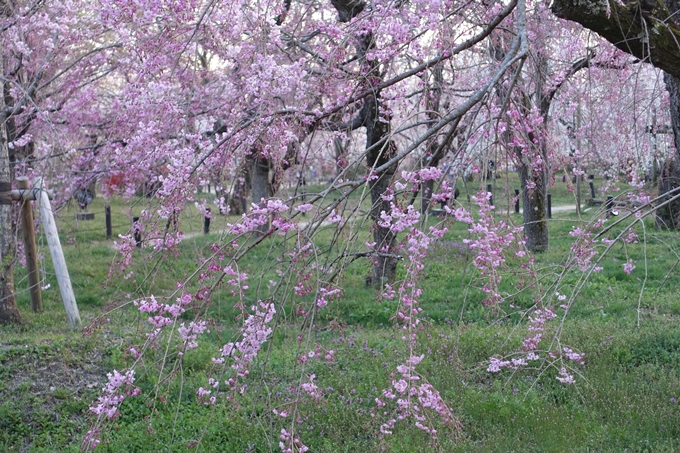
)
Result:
{"points": [[516, 201], [29, 247], [578, 194], [489, 188], [610, 205], [550, 206], [50, 229], [592, 190], [136, 232], [206, 222], [107, 211]]}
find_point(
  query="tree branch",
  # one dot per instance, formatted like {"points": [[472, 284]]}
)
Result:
{"points": [[652, 37]]}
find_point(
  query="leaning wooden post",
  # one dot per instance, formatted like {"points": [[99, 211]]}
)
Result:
{"points": [[50, 229], [29, 246]]}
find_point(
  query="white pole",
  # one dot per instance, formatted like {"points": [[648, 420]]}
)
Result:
{"points": [[50, 229]]}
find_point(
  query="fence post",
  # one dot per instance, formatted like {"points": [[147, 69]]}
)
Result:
{"points": [[136, 232], [206, 222], [29, 246], [50, 229], [610, 205], [107, 211], [592, 189]]}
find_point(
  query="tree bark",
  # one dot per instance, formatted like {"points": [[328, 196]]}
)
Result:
{"points": [[669, 216], [433, 154], [534, 201], [652, 38], [238, 199], [261, 185], [9, 312], [380, 150]]}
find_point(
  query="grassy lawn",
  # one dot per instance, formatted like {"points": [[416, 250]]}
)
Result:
{"points": [[625, 398]]}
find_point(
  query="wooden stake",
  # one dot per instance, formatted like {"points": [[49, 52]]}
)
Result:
{"points": [[107, 210], [30, 248], [206, 223], [50, 229]]}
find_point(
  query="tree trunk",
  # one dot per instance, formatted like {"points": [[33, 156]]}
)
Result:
{"points": [[261, 186], [431, 158], [380, 149], [534, 201], [340, 147], [668, 216], [238, 200], [426, 195], [9, 313], [385, 264]]}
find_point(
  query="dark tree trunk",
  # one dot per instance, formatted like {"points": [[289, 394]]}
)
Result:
{"points": [[534, 201], [668, 216], [381, 151], [9, 312], [621, 25], [426, 195], [435, 153]]}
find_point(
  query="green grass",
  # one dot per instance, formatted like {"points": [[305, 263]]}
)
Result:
{"points": [[624, 400]]}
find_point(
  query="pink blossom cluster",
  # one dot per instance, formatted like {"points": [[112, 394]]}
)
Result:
{"points": [[237, 280], [318, 353], [290, 443], [324, 295], [190, 333], [628, 266], [398, 219], [159, 320], [422, 175], [492, 239], [255, 333], [126, 247], [582, 248], [108, 403], [530, 348], [311, 389], [412, 398]]}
